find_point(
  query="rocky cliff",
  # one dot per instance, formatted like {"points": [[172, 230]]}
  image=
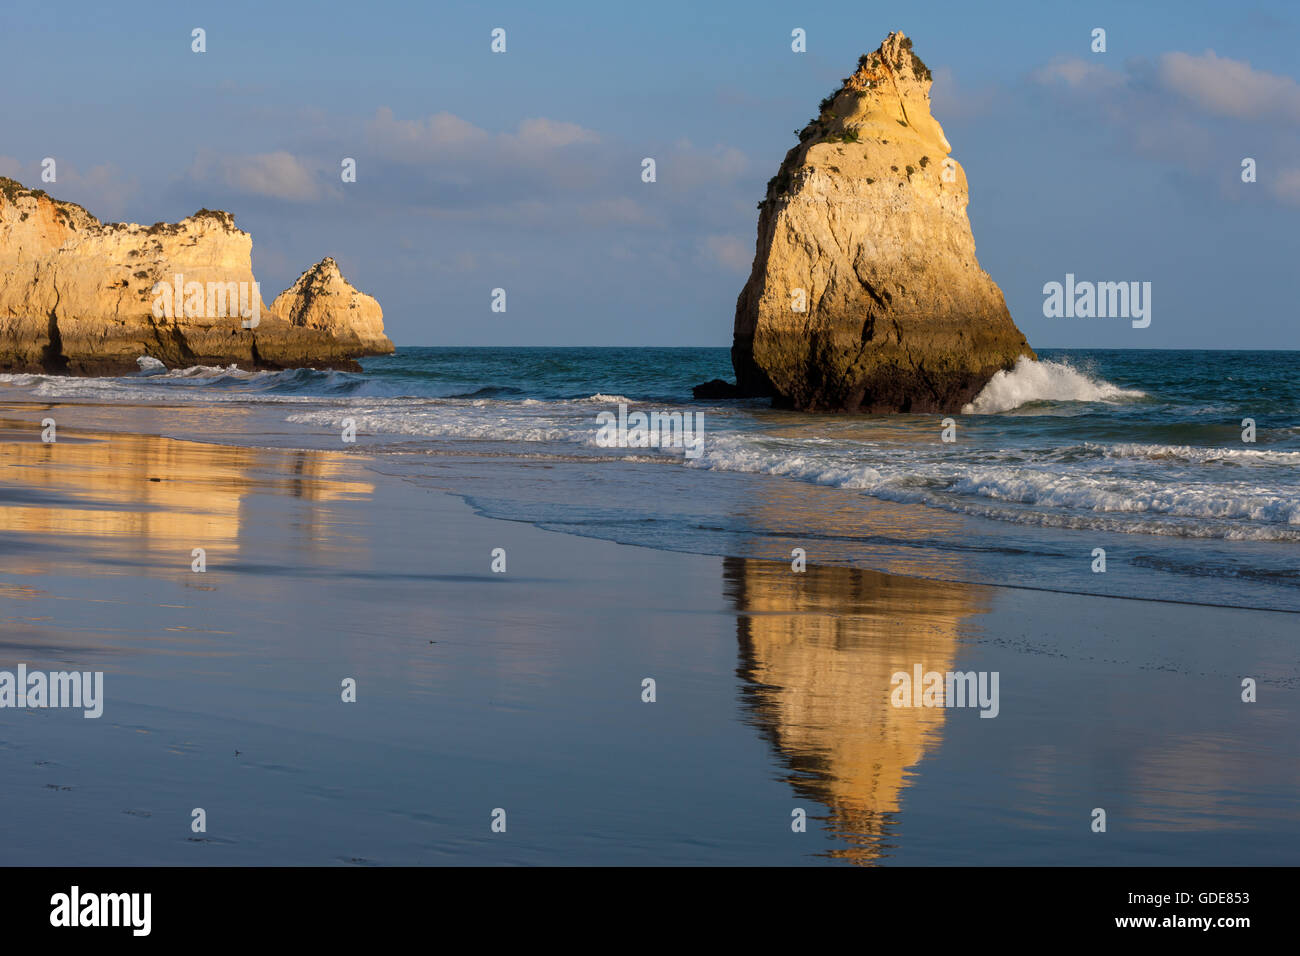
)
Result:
{"points": [[865, 292], [83, 297]]}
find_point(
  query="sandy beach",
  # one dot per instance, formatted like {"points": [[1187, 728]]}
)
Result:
{"points": [[522, 690]]}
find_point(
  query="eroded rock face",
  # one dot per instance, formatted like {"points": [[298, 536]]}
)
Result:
{"points": [[324, 301], [82, 297], [864, 227]]}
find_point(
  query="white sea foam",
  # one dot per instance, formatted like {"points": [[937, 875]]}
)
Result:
{"points": [[424, 424], [1194, 455], [20, 379], [1043, 381], [1055, 487], [217, 371], [1036, 493]]}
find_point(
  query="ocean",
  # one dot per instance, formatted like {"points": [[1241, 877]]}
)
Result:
{"points": [[1142, 454]]}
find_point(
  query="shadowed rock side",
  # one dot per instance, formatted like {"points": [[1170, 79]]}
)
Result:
{"points": [[864, 228], [77, 296]]}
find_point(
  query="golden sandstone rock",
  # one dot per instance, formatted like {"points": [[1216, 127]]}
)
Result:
{"points": [[865, 293], [322, 299], [83, 297]]}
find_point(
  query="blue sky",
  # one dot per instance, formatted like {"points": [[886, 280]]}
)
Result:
{"points": [[521, 170]]}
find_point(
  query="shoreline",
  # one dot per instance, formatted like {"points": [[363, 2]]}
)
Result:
{"points": [[298, 443]]}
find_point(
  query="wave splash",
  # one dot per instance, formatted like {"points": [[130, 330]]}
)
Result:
{"points": [[1044, 381]]}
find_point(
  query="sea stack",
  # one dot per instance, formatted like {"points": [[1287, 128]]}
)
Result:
{"points": [[865, 293], [83, 297]]}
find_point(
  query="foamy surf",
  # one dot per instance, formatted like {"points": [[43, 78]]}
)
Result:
{"points": [[1024, 488], [1043, 381]]}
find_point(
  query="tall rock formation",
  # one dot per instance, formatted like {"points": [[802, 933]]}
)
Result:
{"points": [[83, 297], [865, 293]]}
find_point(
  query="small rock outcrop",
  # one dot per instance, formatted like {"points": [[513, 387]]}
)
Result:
{"points": [[82, 297], [324, 301], [865, 293]]}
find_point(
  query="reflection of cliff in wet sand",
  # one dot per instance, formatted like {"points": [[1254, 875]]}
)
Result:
{"points": [[818, 650], [136, 496]]}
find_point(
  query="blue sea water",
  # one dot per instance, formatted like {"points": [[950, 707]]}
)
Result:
{"points": [[1142, 454]]}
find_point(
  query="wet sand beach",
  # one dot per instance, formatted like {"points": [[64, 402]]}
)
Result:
{"points": [[523, 690]]}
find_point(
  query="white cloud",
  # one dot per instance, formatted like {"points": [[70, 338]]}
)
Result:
{"points": [[445, 135], [1077, 74], [419, 140], [550, 134], [1230, 87], [278, 175], [547, 173], [1174, 110]]}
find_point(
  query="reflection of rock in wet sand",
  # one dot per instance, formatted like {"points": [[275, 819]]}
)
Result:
{"points": [[114, 492], [818, 650]]}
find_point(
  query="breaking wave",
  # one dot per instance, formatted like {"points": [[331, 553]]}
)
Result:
{"points": [[1044, 381]]}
